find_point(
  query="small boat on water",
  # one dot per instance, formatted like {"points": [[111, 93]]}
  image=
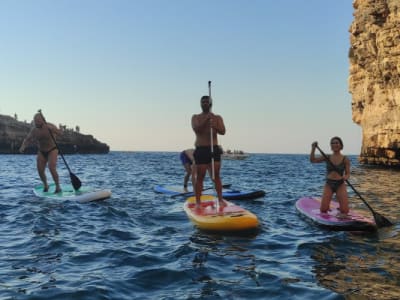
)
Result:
{"points": [[235, 154]]}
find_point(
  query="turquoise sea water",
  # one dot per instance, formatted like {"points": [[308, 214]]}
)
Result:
{"points": [[140, 245]]}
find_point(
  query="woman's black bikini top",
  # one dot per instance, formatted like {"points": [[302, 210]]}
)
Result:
{"points": [[340, 168]]}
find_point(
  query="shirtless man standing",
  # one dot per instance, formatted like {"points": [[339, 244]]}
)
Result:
{"points": [[202, 124], [48, 152]]}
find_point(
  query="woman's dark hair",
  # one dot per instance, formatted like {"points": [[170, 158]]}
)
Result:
{"points": [[339, 140]]}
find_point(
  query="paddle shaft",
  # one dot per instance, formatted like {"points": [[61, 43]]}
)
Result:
{"points": [[211, 137]]}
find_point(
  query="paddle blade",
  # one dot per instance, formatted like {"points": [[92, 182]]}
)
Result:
{"points": [[381, 221], [76, 183]]}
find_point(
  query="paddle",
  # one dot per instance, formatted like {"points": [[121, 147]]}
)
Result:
{"points": [[211, 137], [380, 220], [76, 183], [212, 145], [225, 186]]}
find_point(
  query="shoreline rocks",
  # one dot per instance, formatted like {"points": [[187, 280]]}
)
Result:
{"points": [[13, 132], [374, 79]]}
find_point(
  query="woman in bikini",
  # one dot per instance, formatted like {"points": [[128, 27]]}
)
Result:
{"points": [[335, 176], [48, 152]]}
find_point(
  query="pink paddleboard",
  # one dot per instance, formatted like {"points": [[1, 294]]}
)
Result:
{"points": [[309, 207]]}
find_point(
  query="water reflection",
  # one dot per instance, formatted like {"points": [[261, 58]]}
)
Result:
{"points": [[353, 268], [215, 254], [380, 188], [360, 265]]}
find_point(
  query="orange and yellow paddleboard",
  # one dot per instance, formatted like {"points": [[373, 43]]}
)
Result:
{"points": [[229, 217]]}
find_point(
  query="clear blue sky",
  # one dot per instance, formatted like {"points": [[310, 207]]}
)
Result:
{"points": [[131, 73]]}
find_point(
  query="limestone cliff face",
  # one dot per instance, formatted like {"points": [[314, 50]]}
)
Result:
{"points": [[13, 132], [374, 80]]}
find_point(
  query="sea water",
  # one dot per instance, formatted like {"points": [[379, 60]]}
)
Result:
{"points": [[140, 245]]}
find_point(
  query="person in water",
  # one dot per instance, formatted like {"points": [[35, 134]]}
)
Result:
{"points": [[187, 159], [202, 125], [337, 172], [47, 149]]}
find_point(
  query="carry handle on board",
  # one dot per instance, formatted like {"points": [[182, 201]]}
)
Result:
{"points": [[76, 183]]}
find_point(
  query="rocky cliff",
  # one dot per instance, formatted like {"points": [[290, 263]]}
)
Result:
{"points": [[13, 132], [374, 79]]}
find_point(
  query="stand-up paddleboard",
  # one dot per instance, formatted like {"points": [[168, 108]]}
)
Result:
{"points": [[229, 194], [232, 194], [230, 217], [84, 194], [173, 190], [310, 208]]}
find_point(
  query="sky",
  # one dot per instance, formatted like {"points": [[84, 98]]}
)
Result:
{"points": [[131, 73]]}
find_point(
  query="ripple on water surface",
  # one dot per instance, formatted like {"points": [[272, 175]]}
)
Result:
{"points": [[140, 245]]}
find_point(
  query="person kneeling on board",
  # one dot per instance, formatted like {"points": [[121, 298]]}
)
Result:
{"points": [[337, 172]]}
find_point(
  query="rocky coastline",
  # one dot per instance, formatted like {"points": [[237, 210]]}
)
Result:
{"points": [[374, 79], [13, 132]]}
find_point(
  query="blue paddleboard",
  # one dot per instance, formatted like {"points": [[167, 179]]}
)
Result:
{"points": [[229, 194]]}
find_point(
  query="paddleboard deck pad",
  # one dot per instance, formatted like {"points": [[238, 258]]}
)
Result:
{"points": [[84, 194], [228, 194], [229, 217], [354, 221]]}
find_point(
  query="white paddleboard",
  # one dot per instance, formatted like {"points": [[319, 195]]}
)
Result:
{"points": [[84, 194]]}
